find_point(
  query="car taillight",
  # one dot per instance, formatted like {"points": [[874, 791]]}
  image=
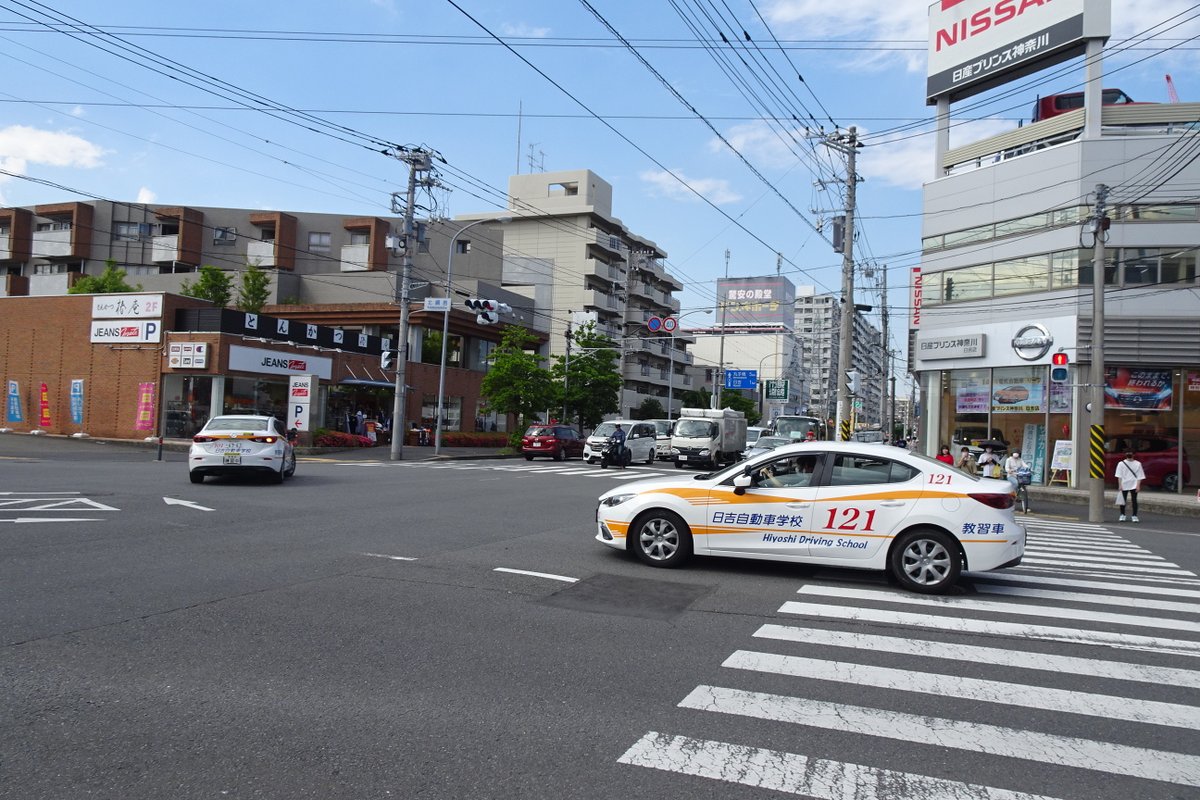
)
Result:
{"points": [[203, 439], [264, 439], [1001, 501]]}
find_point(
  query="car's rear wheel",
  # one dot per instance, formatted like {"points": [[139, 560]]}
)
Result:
{"points": [[650, 459], [927, 561], [292, 469], [529, 456], [1171, 482], [661, 539], [559, 455], [277, 477], [196, 477]]}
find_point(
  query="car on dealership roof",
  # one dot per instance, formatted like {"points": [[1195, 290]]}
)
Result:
{"points": [[840, 504]]}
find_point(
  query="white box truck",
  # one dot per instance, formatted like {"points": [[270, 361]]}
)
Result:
{"points": [[708, 437]]}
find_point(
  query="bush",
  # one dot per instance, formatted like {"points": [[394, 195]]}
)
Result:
{"points": [[462, 439], [326, 438]]}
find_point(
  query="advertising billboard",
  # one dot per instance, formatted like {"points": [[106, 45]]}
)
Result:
{"points": [[977, 44], [757, 302]]}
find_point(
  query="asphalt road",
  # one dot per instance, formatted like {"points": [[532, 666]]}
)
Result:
{"points": [[350, 634]]}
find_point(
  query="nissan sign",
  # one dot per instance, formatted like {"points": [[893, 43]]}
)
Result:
{"points": [[1032, 342]]}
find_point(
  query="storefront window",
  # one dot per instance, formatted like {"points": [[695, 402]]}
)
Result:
{"points": [[1019, 411], [1141, 413], [256, 396], [452, 412], [186, 404]]}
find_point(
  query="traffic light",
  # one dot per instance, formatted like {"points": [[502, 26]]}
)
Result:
{"points": [[387, 359], [488, 311], [853, 382], [1058, 368]]}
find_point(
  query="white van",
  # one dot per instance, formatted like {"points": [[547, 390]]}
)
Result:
{"points": [[663, 428], [641, 438]]}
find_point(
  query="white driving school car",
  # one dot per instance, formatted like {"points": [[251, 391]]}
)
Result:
{"points": [[844, 504], [241, 443]]}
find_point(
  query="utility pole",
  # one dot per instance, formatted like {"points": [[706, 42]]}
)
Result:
{"points": [[1096, 379], [567, 368], [719, 383], [848, 146], [887, 361], [418, 161]]}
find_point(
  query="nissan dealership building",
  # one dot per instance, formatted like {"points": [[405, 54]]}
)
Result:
{"points": [[1009, 252]]}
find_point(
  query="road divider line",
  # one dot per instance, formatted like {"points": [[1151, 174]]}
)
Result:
{"points": [[824, 779], [973, 737], [551, 576], [1041, 698], [390, 558]]}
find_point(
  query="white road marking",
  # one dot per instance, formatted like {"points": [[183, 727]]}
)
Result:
{"points": [[1095, 549], [562, 578], [1083, 584], [1066, 751], [819, 778], [10, 494], [1084, 573], [1095, 599], [992, 656], [997, 607], [52, 519], [171, 501], [621, 477], [1104, 559], [1012, 694], [1112, 566], [48, 504], [384, 555], [965, 625]]}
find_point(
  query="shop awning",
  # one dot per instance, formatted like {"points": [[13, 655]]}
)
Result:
{"points": [[367, 382]]}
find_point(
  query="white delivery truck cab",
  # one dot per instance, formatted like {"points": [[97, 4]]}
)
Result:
{"points": [[708, 437]]}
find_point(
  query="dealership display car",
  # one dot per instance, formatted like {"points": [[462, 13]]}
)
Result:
{"points": [[554, 441], [844, 504], [1159, 454], [240, 444]]}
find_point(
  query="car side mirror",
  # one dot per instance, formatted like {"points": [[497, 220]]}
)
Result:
{"points": [[741, 483]]}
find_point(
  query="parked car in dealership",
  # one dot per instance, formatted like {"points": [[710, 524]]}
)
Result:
{"points": [[1159, 456], [553, 441]]}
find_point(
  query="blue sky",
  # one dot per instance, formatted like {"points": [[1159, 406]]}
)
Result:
{"points": [[425, 74]]}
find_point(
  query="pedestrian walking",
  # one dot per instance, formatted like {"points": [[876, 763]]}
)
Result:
{"points": [[944, 456], [966, 462], [1129, 474]]}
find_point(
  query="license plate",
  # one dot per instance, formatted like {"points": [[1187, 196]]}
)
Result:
{"points": [[233, 459], [683, 458], [537, 444]]}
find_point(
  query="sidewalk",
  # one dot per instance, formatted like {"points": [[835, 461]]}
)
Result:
{"points": [[1175, 505]]}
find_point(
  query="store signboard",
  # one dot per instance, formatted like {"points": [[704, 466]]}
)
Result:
{"points": [[1138, 388], [187, 355], [757, 302], [1193, 381], [1018, 390], [13, 407], [300, 391], [127, 306], [126, 331], [969, 345], [973, 398], [274, 362]]}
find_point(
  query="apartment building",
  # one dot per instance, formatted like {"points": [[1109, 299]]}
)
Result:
{"points": [[818, 324]]}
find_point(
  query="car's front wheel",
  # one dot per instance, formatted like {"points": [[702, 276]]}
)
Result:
{"points": [[926, 561], [661, 539], [1171, 482], [529, 456], [559, 455]]}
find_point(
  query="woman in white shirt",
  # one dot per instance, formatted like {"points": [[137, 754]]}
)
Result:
{"points": [[1013, 463], [1129, 475]]}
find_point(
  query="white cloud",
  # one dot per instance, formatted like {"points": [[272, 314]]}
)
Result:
{"points": [[762, 145], [146, 195], [715, 189], [856, 19], [77, 111], [21, 145], [907, 163], [523, 30]]}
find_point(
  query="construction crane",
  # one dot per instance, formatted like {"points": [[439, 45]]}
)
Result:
{"points": [[1172, 95]]}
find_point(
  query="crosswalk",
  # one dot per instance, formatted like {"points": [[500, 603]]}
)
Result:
{"points": [[565, 468], [1078, 670]]}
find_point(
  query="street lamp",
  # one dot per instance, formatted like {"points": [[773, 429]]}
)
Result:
{"points": [[441, 396]]}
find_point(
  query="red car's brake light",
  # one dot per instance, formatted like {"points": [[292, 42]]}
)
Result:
{"points": [[203, 439], [1000, 501], [264, 439]]}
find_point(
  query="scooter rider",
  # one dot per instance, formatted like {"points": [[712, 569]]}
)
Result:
{"points": [[618, 435]]}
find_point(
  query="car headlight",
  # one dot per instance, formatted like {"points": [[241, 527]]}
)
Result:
{"points": [[616, 499], [674, 451], [704, 452]]}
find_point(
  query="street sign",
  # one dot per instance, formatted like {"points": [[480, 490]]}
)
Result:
{"points": [[741, 378], [858, 404], [654, 324], [778, 390], [437, 304]]}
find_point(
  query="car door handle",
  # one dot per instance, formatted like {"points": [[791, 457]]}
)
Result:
{"points": [[798, 505], [892, 503]]}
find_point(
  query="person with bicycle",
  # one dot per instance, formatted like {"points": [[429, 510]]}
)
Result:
{"points": [[1019, 474]]}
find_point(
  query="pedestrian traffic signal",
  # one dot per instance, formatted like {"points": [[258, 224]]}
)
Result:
{"points": [[387, 359], [853, 381], [488, 311], [1058, 368]]}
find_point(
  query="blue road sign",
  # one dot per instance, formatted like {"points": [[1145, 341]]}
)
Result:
{"points": [[741, 378]]}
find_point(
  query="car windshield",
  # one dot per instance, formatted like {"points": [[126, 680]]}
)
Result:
{"points": [[236, 424], [662, 427], [770, 442], [695, 429], [605, 429]]}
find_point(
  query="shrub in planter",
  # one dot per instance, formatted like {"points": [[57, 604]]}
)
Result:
{"points": [[325, 438]]}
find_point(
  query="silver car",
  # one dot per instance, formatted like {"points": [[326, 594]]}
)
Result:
{"points": [[235, 444]]}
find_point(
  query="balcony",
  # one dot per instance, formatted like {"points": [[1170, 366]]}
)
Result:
{"points": [[52, 244], [598, 299], [605, 241], [261, 253], [164, 248], [356, 257]]}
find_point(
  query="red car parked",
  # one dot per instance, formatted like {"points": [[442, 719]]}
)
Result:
{"points": [[556, 441]]}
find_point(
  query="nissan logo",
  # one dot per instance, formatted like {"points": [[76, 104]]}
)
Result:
{"points": [[1032, 342]]}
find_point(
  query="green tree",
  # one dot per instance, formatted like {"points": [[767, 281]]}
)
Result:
{"points": [[255, 289], [517, 383], [213, 285], [650, 409], [111, 281], [593, 385]]}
